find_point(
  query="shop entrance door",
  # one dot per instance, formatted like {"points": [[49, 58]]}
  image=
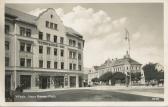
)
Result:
{"points": [[72, 81], [25, 81], [59, 81], [7, 85], [44, 82]]}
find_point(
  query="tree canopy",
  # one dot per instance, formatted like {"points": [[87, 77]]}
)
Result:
{"points": [[106, 77], [95, 79], [151, 73]]}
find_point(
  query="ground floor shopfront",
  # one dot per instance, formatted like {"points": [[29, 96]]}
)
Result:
{"points": [[42, 80]]}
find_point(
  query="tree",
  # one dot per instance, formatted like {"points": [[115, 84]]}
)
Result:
{"points": [[106, 76], [118, 76], [151, 73], [95, 79], [136, 76]]}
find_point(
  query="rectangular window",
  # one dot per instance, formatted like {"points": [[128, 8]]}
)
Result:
{"points": [[79, 56], [74, 43], [79, 45], [22, 46], [55, 65], [22, 31], [6, 61], [62, 53], [62, 40], [47, 24], [55, 26], [22, 62], [70, 66], [7, 29], [48, 50], [40, 49], [40, 63], [79, 67], [74, 55], [74, 66], [70, 54], [28, 62], [28, 47], [28, 32], [55, 39], [48, 37], [51, 25], [62, 65], [55, 51], [70, 42], [41, 35], [48, 64], [6, 45]]}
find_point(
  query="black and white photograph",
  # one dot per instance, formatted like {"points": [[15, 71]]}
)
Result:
{"points": [[84, 52]]}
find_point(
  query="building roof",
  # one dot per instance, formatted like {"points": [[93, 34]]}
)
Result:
{"points": [[118, 62], [24, 17], [72, 32], [20, 16]]}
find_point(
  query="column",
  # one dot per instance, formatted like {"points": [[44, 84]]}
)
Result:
{"points": [[77, 81], [51, 82], [66, 81], [34, 81]]}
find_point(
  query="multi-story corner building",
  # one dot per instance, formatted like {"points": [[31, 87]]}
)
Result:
{"points": [[40, 52], [125, 65]]}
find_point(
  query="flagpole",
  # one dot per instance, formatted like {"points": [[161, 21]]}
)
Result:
{"points": [[128, 40]]}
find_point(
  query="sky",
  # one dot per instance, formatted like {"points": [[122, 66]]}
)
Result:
{"points": [[103, 28]]}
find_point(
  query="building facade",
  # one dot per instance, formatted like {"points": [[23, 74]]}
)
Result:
{"points": [[40, 52], [125, 65]]}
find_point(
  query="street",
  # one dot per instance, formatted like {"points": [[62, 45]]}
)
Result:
{"points": [[91, 94]]}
